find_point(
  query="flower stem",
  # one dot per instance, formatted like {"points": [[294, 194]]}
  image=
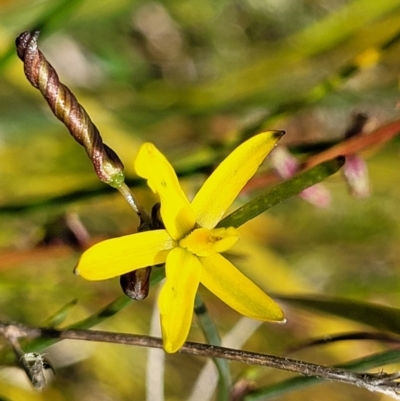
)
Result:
{"points": [[211, 333]]}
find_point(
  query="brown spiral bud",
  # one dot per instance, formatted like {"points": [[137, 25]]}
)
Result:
{"points": [[67, 109]]}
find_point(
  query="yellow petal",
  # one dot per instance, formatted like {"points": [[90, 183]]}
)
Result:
{"points": [[121, 255], [176, 300], [223, 186], [176, 212], [223, 279]]}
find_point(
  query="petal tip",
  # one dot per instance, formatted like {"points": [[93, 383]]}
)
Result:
{"points": [[170, 348], [277, 315], [271, 135], [281, 318], [278, 134]]}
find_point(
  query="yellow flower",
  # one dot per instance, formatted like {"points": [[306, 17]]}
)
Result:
{"points": [[190, 245]]}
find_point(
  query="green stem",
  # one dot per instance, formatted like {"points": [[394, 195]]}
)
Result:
{"points": [[285, 190], [212, 336]]}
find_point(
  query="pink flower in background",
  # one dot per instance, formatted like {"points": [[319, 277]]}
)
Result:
{"points": [[355, 172], [287, 166]]}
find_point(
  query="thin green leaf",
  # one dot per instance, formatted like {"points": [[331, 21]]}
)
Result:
{"points": [[108, 311], [374, 315], [212, 336], [296, 383], [58, 317], [281, 192]]}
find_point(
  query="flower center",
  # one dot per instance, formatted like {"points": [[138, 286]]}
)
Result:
{"points": [[203, 242]]}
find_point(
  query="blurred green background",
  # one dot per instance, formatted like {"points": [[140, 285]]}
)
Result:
{"points": [[191, 76]]}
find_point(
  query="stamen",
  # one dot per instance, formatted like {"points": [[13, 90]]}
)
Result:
{"points": [[203, 242]]}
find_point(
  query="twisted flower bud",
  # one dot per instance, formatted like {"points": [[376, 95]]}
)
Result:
{"points": [[67, 109]]}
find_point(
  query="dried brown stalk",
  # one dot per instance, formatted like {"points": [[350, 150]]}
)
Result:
{"points": [[381, 382]]}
